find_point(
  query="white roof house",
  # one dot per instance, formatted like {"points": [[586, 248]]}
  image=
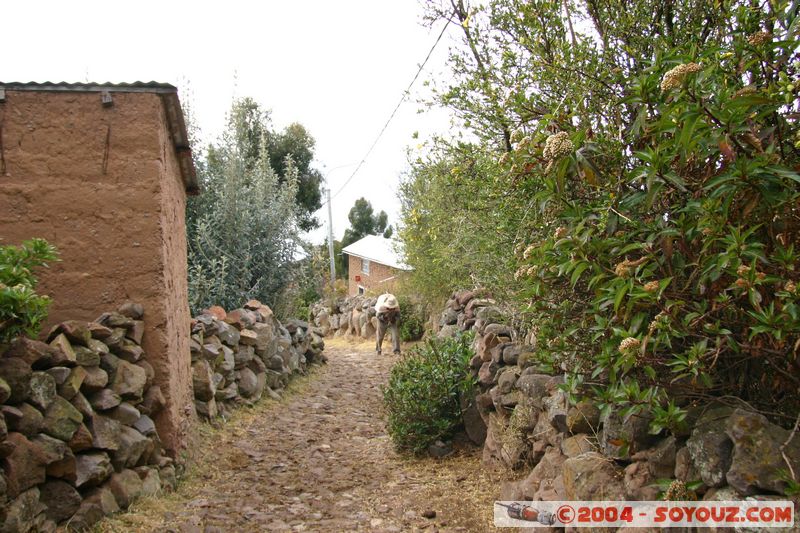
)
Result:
{"points": [[379, 250], [375, 264]]}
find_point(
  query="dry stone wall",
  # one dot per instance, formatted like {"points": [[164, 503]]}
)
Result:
{"points": [[354, 316], [239, 356], [77, 438], [572, 452]]}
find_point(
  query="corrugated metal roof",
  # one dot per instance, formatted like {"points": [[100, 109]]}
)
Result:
{"points": [[376, 248], [169, 98]]}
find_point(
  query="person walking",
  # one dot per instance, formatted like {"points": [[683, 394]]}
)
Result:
{"points": [[388, 313]]}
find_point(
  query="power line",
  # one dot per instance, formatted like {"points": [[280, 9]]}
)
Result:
{"points": [[394, 112]]}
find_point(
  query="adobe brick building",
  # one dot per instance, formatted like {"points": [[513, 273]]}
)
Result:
{"points": [[102, 172], [374, 265]]}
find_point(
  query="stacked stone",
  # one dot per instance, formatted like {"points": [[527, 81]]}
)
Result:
{"points": [[572, 452], [239, 356], [353, 316], [77, 439]]}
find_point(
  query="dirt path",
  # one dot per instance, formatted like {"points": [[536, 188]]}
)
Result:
{"points": [[320, 460]]}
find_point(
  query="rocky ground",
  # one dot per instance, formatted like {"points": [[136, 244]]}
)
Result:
{"points": [[320, 460]]}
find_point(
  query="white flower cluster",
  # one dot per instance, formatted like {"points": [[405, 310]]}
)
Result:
{"points": [[629, 346], [674, 78], [557, 146]]}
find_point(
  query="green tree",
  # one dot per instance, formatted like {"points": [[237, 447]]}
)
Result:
{"points": [[243, 231], [638, 176]]}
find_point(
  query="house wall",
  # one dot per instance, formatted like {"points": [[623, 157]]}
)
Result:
{"points": [[103, 186], [372, 281]]}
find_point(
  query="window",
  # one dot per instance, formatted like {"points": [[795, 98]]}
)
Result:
{"points": [[361, 289], [365, 266]]}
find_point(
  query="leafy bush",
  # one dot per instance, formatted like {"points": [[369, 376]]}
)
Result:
{"points": [[412, 319], [21, 309], [634, 188], [423, 396]]}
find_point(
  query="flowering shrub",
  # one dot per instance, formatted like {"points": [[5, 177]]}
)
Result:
{"points": [[651, 241]]}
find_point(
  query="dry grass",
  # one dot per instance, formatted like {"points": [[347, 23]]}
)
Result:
{"points": [[211, 456]]}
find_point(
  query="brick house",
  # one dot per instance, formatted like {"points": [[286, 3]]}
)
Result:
{"points": [[375, 265], [102, 171]]}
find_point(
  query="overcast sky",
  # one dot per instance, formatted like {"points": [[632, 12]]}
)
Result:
{"points": [[337, 67]]}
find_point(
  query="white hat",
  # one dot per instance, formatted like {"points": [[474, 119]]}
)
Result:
{"points": [[390, 302]]}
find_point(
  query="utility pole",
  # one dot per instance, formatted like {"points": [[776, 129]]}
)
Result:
{"points": [[330, 249]]}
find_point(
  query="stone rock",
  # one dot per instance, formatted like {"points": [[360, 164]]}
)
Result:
{"points": [[546, 469], [104, 499], [228, 334], [206, 410], [76, 331], [151, 480], [511, 354], [99, 331], [73, 383], [544, 431], [534, 387], [59, 374], [132, 445], [485, 345], [487, 374], [757, 459], [125, 413], [5, 391], [684, 468], [126, 487], [25, 466], [149, 371], [500, 330], [104, 399], [153, 401], [83, 406], [30, 421], [105, 432], [96, 378], [61, 420], [52, 449], [92, 469], [63, 354], [129, 381], [110, 362], [42, 390], [474, 425], [623, 436], [447, 332], [710, 447], [145, 426], [81, 440], [247, 382], [131, 310], [89, 513], [136, 331], [61, 499], [22, 511], [248, 337], [36, 354], [449, 318], [17, 374], [203, 380], [592, 476], [129, 351], [169, 480], [98, 347], [584, 417], [115, 320], [640, 483], [228, 393], [661, 458], [66, 468], [275, 363], [576, 445], [506, 380], [86, 356], [556, 408], [440, 449]]}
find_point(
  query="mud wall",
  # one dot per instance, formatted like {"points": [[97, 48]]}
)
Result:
{"points": [[101, 184]]}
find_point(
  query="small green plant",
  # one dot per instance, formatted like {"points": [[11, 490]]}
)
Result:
{"points": [[422, 398], [21, 309], [412, 320]]}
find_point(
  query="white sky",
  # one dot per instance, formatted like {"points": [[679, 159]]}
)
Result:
{"points": [[337, 67]]}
